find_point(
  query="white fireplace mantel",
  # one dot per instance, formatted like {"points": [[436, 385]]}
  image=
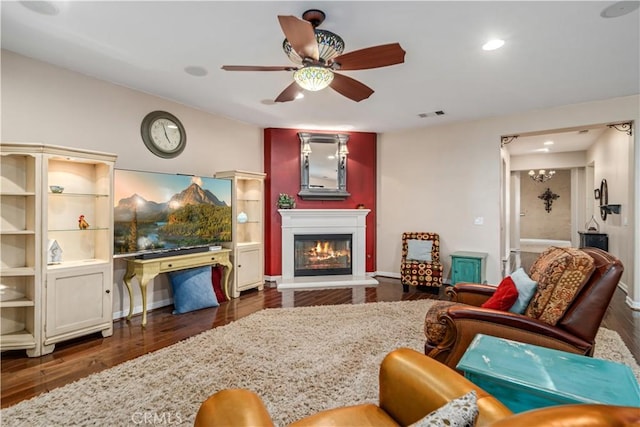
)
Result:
{"points": [[324, 221]]}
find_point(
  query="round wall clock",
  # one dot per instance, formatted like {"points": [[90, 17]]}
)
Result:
{"points": [[163, 134]]}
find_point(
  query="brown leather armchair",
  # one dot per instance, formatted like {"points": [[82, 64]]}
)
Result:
{"points": [[411, 386], [458, 322]]}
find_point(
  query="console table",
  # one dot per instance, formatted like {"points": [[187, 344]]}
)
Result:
{"points": [[147, 269], [525, 376]]}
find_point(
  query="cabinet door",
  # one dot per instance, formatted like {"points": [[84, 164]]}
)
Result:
{"points": [[77, 299], [466, 270], [249, 267]]}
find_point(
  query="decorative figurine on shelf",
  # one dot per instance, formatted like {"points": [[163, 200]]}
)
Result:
{"points": [[54, 252], [82, 223]]}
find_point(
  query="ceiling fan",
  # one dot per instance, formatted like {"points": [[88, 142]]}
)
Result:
{"points": [[318, 55]]}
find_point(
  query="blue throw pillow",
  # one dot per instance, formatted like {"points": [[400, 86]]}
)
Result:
{"points": [[192, 290], [526, 288], [419, 250]]}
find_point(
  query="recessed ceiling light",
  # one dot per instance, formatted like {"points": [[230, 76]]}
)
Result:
{"points": [[196, 71], [619, 9], [548, 143], [299, 95], [493, 44], [542, 150]]}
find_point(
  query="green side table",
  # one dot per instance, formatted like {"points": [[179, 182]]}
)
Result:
{"points": [[525, 376], [468, 267]]}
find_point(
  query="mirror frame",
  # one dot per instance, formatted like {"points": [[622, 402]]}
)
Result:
{"points": [[339, 193]]}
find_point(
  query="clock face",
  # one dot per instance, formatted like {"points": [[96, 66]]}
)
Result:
{"points": [[163, 134]]}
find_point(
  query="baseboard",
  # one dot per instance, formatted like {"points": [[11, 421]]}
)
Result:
{"points": [[272, 278], [634, 305], [137, 309], [386, 274], [278, 279], [624, 287]]}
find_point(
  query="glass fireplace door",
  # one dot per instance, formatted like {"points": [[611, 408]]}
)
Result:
{"points": [[322, 254]]}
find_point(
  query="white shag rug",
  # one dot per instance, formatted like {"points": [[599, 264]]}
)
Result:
{"points": [[299, 360]]}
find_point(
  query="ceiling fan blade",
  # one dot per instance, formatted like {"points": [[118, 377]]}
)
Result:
{"points": [[371, 57], [289, 94], [301, 36], [350, 88], [257, 68]]}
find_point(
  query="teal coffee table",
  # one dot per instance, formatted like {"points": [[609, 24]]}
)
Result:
{"points": [[524, 376]]}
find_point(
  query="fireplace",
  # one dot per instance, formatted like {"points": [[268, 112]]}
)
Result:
{"points": [[323, 249], [321, 254]]}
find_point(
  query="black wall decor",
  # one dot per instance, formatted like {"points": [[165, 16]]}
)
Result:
{"points": [[548, 196]]}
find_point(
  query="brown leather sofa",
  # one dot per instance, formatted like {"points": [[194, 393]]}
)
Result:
{"points": [[411, 386], [574, 332]]}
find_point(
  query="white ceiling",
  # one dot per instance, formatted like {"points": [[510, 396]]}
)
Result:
{"points": [[556, 53], [555, 142]]}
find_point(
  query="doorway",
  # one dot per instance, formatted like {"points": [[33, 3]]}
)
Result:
{"points": [[563, 163]]}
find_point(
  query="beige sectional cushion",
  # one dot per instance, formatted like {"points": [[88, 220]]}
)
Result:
{"points": [[560, 273]]}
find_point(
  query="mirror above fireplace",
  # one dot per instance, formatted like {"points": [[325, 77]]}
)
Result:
{"points": [[323, 166]]}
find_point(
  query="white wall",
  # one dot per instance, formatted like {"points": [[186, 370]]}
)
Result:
{"points": [[535, 221], [441, 178], [612, 159], [435, 179], [47, 104]]}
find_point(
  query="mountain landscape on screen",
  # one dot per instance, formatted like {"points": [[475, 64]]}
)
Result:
{"points": [[194, 216]]}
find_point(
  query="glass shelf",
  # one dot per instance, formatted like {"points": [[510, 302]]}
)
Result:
{"points": [[77, 195], [17, 232], [56, 230], [17, 193]]}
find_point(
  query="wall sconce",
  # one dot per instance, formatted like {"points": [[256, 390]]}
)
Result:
{"points": [[548, 196], [342, 153], [542, 175], [306, 150]]}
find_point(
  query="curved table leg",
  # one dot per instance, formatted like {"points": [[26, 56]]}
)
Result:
{"points": [[144, 281], [227, 273], [127, 281]]}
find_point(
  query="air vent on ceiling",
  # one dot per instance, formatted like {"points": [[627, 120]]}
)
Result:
{"points": [[431, 114], [583, 131]]}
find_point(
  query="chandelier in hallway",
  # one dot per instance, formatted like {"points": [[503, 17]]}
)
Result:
{"points": [[542, 175]]}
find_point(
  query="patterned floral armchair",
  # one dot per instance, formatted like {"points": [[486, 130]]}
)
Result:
{"points": [[421, 261]]}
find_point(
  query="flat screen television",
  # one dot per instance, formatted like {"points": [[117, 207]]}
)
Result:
{"points": [[160, 212]]}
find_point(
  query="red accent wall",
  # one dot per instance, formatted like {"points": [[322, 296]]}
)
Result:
{"points": [[282, 165]]}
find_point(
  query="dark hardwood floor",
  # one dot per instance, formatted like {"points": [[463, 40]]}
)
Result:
{"points": [[23, 377]]}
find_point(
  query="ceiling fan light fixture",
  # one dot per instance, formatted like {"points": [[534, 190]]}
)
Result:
{"points": [[330, 45], [313, 78]]}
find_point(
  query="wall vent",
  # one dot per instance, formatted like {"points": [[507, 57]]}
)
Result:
{"points": [[431, 114]]}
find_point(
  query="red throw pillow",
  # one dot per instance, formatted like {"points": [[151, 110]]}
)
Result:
{"points": [[504, 297], [216, 282]]}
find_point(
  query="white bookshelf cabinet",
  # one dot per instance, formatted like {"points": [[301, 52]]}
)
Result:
{"points": [[247, 205], [47, 299]]}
